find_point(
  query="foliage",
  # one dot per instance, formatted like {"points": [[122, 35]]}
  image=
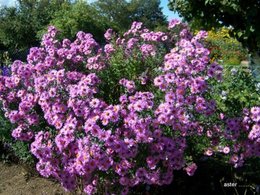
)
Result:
{"points": [[19, 25], [11, 149], [225, 48], [78, 16], [122, 13], [5, 128], [147, 12], [243, 16], [129, 113], [14, 31], [116, 11], [5, 61], [239, 90]]}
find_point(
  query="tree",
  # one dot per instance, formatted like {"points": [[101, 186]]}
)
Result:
{"points": [[241, 15], [148, 12], [79, 16], [116, 12], [19, 25], [122, 13], [15, 31]]}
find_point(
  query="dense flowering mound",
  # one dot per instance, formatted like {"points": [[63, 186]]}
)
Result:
{"points": [[123, 113]]}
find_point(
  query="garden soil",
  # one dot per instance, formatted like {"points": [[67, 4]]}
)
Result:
{"points": [[17, 179]]}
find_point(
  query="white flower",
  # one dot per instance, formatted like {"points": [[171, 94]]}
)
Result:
{"points": [[233, 71], [224, 95], [257, 85]]}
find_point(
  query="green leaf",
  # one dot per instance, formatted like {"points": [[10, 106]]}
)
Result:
{"points": [[252, 29], [239, 34]]}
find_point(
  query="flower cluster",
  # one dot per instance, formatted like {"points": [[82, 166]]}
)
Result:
{"points": [[246, 129], [79, 138], [5, 70], [239, 139]]}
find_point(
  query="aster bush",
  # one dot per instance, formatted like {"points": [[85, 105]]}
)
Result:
{"points": [[237, 99], [10, 149], [125, 114]]}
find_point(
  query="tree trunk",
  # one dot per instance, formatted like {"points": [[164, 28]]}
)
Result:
{"points": [[254, 65]]}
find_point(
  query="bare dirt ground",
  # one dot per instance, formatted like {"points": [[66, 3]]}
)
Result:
{"points": [[19, 180]]}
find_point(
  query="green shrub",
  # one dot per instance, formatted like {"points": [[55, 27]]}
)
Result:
{"points": [[225, 48], [237, 91], [12, 150], [233, 61]]}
